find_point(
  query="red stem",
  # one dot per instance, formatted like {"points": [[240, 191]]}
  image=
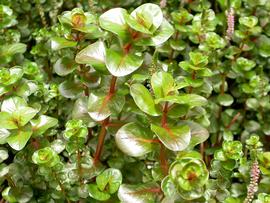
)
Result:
{"points": [[233, 120], [164, 115], [163, 159], [104, 124], [101, 138]]}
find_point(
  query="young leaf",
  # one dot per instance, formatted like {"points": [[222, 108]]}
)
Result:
{"points": [[113, 20], [19, 138], [146, 16], [11, 104], [58, 43], [144, 100], [43, 123], [163, 84], [95, 193], [110, 179]]}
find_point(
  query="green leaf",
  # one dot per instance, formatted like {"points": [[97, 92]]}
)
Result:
{"points": [[95, 193], [181, 16], [10, 76], [23, 115], [250, 21], [189, 175], [110, 179], [11, 104], [93, 54], [58, 43], [233, 149], [198, 58], [164, 32], [4, 134], [45, 157], [3, 154], [190, 99], [214, 41], [264, 45], [225, 99], [98, 107], [101, 106], [80, 111], [19, 138], [143, 99], [163, 84], [113, 20], [120, 64], [133, 140], [7, 121], [70, 89], [198, 133], [169, 188], [245, 64], [43, 123], [146, 18], [64, 66], [137, 193], [15, 48], [174, 138]]}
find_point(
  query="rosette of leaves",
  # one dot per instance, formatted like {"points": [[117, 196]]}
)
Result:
{"points": [[46, 157], [188, 175], [18, 124], [75, 134], [107, 183]]}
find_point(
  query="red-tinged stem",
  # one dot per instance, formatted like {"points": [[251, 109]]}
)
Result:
{"points": [[193, 76], [163, 159], [118, 124], [233, 120], [113, 84], [101, 138], [164, 115], [104, 123]]}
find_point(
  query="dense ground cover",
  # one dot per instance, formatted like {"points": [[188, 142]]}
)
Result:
{"points": [[135, 101]]}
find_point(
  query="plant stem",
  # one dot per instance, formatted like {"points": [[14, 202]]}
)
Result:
{"points": [[162, 154], [101, 138], [61, 186], [163, 160], [233, 120], [104, 124], [164, 115]]}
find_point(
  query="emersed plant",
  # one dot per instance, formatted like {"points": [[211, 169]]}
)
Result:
{"points": [[122, 101]]}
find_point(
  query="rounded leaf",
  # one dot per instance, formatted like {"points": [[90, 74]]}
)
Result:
{"points": [[174, 138], [113, 20], [120, 64], [133, 140]]}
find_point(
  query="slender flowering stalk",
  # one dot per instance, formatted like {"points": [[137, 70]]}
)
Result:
{"points": [[230, 23], [253, 185]]}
